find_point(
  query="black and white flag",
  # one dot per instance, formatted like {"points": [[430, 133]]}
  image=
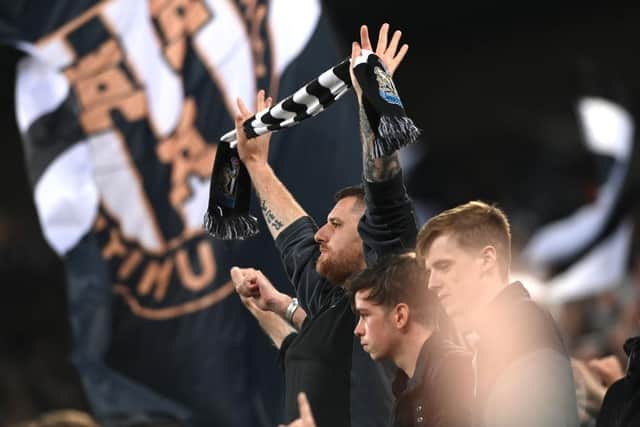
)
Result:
{"points": [[121, 104], [594, 243]]}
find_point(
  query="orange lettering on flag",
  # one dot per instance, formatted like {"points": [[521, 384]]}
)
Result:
{"points": [[178, 19], [102, 86], [156, 277], [133, 260], [107, 55], [115, 247], [188, 154], [190, 279]]}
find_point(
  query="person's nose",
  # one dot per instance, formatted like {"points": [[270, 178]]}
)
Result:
{"points": [[434, 283], [359, 330], [322, 235]]}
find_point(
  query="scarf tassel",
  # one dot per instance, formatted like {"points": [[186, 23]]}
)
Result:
{"points": [[234, 227], [394, 132], [228, 216]]}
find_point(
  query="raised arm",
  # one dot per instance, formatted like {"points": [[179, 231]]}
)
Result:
{"points": [[279, 208], [385, 167], [389, 224], [297, 247]]}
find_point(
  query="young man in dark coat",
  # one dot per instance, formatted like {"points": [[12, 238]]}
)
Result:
{"points": [[524, 375], [398, 321]]}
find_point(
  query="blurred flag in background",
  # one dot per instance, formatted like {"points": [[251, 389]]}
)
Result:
{"points": [[590, 251], [120, 104]]}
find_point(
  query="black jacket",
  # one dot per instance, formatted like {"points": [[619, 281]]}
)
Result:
{"points": [[345, 387], [524, 375], [621, 406], [440, 393]]}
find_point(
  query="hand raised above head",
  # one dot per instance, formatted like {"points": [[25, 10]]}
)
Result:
{"points": [[388, 52]]}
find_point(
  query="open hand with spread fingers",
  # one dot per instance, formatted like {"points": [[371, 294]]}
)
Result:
{"points": [[387, 50]]}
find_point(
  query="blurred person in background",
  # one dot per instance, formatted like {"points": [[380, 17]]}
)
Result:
{"points": [[592, 379]]}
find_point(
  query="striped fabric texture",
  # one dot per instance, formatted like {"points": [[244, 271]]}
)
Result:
{"points": [[308, 101]]}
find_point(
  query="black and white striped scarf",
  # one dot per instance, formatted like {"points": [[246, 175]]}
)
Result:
{"points": [[228, 217]]}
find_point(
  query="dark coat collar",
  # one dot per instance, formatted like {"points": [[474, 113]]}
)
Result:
{"points": [[501, 305], [430, 348]]}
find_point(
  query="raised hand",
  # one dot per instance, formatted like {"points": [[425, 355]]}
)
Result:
{"points": [[254, 150], [387, 51]]}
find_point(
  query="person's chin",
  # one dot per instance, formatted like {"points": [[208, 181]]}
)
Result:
{"points": [[321, 267], [323, 261], [372, 355], [324, 268], [453, 311]]}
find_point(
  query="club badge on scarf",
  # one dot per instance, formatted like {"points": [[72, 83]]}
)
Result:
{"points": [[228, 216], [383, 106]]}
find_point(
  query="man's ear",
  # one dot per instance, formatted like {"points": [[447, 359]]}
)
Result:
{"points": [[401, 315], [489, 258]]}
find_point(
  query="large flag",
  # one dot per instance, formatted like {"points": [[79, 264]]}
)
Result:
{"points": [[120, 104], [590, 250]]}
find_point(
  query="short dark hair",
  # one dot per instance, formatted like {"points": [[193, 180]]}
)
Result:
{"points": [[356, 191], [397, 279], [475, 225]]}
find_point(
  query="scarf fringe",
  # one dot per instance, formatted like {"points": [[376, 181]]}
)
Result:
{"points": [[394, 133], [235, 227]]}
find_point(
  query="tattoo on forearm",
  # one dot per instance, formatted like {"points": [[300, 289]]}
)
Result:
{"points": [[380, 169], [270, 217], [366, 133]]}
